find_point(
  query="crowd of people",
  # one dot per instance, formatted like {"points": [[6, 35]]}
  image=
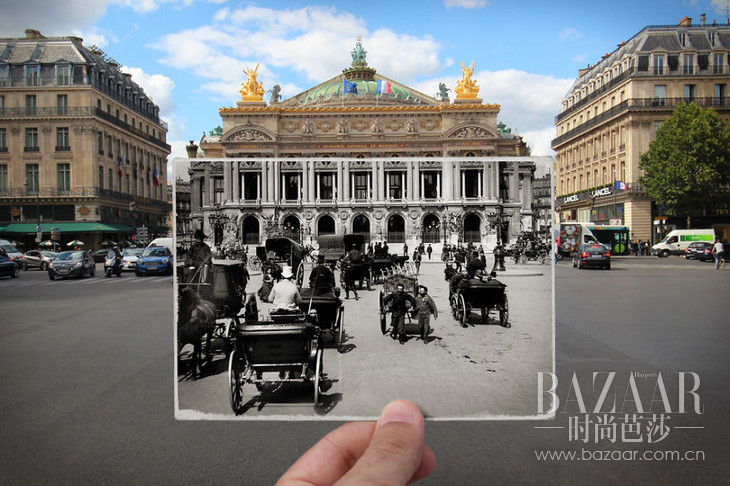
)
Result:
{"points": [[640, 247]]}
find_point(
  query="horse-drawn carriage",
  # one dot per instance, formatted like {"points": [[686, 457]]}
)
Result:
{"points": [[278, 252], [384, 264], [326, 312], [467, 295], [335, 249], [390, 284], [285, 349], [209, 305]]}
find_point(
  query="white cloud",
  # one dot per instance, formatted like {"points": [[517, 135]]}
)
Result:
{"points": [[50, 17], [539, 141], [146, 6], [466, 3], [312, 41], [156, 86], [569, 34]]}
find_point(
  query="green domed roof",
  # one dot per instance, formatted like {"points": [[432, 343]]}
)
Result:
{"points": [[326, 91]]}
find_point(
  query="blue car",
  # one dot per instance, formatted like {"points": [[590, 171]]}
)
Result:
{"points": [[155, 260]]}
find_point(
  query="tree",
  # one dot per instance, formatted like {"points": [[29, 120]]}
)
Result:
{"points": [[687, 166], [217, 131]]}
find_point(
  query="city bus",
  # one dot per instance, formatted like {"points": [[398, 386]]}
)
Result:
{"points": [[615, 237]]}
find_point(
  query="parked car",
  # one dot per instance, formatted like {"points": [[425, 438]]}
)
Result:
{"points": [[154, 260], [130, 257], [100, 255], [72, 264], [699, 250], [592, 255], [8, 267], [38, 259]]}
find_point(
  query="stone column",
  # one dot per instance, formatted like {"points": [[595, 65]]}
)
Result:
{"points": [[447, 176], [527, 192], [195, 201], [343, 184], [277, 181], [227, 167], [236, 182], [410, 187], [340, 176], [311, 180], [373, 182], [381, 185], [487, 192]]}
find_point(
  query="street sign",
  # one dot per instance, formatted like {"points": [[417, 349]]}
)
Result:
{"points": [[142, 233], [39, 234]]}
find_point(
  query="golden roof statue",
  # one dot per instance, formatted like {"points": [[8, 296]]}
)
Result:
{"points": [[467, 88], [252, 90]]}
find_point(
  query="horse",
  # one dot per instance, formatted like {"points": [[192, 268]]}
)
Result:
{"points": [[196, 317]]}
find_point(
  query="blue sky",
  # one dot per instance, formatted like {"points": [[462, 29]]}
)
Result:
{"points": [[188, 55]]}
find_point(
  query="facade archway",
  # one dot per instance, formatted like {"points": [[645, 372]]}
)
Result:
{"points": [[431, 229], [291, 228], [361, 226], [250, 231], [326, 225], [472, 228], [396, 229]]}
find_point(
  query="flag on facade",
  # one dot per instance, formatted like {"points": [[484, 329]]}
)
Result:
{"points": [[119, 163], [125, 159], [349, 87], [155, 181], [620, 186], [384, 87]]}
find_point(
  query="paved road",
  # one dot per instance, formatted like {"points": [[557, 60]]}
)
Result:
{"points": [[480, 371], [88, 396]]}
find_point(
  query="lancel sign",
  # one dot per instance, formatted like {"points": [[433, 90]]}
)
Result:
{"points": [[604, 191]]}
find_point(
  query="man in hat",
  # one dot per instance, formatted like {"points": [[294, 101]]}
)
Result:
{"points": [[425, 306], [200, 251], [322, 280], [396, 301], [285, 295]]}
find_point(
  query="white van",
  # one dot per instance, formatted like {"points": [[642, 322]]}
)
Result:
{"points": [[13, 253], [163, 242], [678, 240], [572, 236]]}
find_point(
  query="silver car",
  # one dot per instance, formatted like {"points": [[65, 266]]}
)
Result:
{"points": [[38, 259], [130, 257]]}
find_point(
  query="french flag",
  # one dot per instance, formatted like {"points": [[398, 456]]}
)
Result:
{"points": [[119, 163], [155, 181], [620, 186], [384, 87]]}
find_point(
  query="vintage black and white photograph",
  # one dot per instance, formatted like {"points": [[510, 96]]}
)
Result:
{"points": [[327, 287]]}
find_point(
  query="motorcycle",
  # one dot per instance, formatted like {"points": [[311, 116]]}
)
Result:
{"points": [[112, 265]]}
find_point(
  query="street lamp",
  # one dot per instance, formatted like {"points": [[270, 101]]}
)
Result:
{"points": [[38, 204], [495, 219]]}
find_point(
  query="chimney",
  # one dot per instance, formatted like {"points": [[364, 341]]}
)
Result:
{"points": [[686, 22], [33, 34], [703, 18], [192, 150]]}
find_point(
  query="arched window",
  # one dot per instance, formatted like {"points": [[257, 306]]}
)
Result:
{"points": [[396, 229], [250, 231]]}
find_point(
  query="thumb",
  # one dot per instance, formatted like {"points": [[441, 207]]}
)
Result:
{"points": [[395, 451]]}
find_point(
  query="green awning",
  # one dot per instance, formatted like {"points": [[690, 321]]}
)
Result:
{"points": [[30, 228]]}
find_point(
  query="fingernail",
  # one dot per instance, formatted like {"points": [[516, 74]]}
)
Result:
{"points": [[398, 411]]}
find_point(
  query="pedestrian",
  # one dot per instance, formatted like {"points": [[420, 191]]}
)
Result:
{"points": [[349, 273], [425, 306], [429, 250], [322, 280], [405, 249], [396, 302], [719, 251], [417, 261]]}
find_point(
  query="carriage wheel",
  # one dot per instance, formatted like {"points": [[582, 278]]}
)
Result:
{"points": [[463, 311], [300, 275], [504, 313], [454, 306], [317, 378], [254, 263], [235, 381], [341, 330]]}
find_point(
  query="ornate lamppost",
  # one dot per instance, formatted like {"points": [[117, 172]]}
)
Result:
{"points": [[496, 221], [217, 221]]}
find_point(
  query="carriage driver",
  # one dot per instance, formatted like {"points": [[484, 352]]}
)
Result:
{"points": [[285, 294], [322, 280], [397, 303]]}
